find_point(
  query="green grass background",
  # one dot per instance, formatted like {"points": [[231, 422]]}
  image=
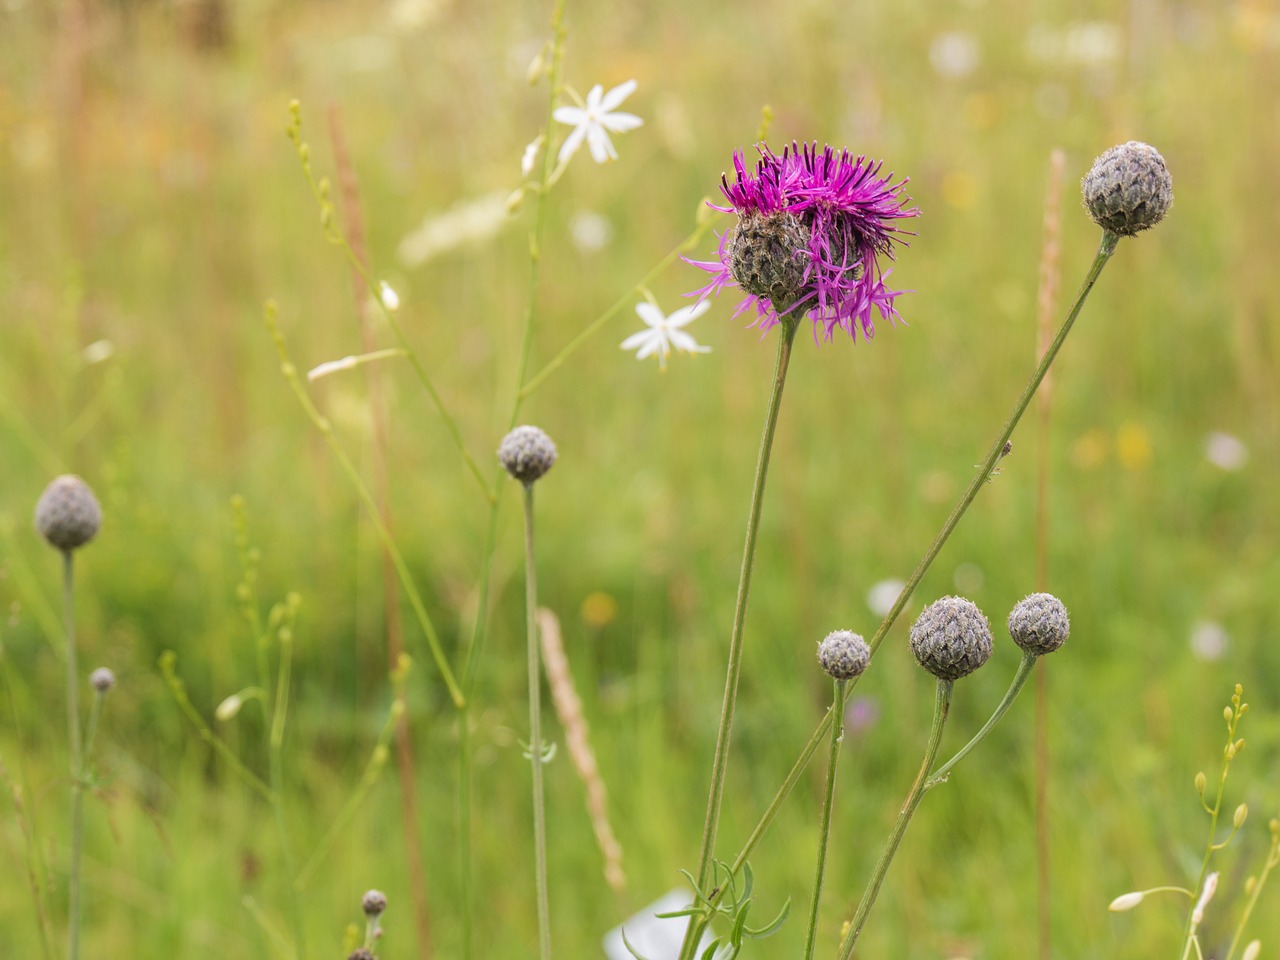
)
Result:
{"points": [[149, 197]]}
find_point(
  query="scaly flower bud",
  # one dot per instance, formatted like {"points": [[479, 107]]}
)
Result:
{"points": [[1128, 188]]}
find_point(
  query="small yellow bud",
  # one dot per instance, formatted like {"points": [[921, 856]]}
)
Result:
{"points": [[1126, 901], [1242, 814], [380, 754], [1250, 885], [286, 635], [537, 67], [1201, 782], [304, 153], [1239, 745], [1227, 714]]}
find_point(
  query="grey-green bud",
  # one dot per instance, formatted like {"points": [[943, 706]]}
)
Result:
{"points": [[843, 654], [768, 256], [1039, 623], [373, 903], [1128, 188], [68, 515], [951, 638], [527, 453]]}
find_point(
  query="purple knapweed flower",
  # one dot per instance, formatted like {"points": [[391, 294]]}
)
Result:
{"points": [[812, 224]]}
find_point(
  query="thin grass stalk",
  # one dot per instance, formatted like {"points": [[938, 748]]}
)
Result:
{"points": [[275, 755], [824, 825], [77, 761], [577, 740], [354, 229], [1050, 275], [322, 424], [941, 705], [535, 731]]}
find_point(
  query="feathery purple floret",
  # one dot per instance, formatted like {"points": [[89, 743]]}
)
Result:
{"points": [[850, 213]]}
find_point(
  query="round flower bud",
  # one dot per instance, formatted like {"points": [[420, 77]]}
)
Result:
{"points": [[1128, 188], [102, 679], [843, 654], [362, 953], [1039, 623], [951, 638], [68, 514], [373, 903], [527, 453], [769, 256]]}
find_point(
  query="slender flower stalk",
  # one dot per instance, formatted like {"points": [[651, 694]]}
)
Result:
{"points": [[942, 703], [1025, 667], [77, 760], [707, 851], [824, 825], [535, 730]]}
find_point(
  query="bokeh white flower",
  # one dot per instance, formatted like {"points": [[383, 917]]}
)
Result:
{"points": [[593, 120], [663, 333], [1208, 641], [882, 596], [1225, 451], [590, 231]]}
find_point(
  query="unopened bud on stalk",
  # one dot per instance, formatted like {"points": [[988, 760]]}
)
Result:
{"points": [[769, 256], [951, 638], [1128, 189], [1126, 901], [527, 453], [1201, 783], [1241, 815], [373, 903], [68, 515], [102, 679], [1039, 624], [844, 654]]}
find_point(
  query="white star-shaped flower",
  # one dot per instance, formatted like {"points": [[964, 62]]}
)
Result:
{"points": [[594, 119], [664, 333]]}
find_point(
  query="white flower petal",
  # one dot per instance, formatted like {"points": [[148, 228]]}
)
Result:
{"points": [[650, 314], [653, 346], [682, 341], [593, 98], [571, 143], [530, 155], [686, 315], [615, 96], [637, 340], [620, 122], [601, 147], [572, 115]]}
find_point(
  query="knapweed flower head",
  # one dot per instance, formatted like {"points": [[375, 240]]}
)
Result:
{"points": [[67, 514], [812, 226], [1128, 188], [527, 453], [102, 679], [843, 654], [951, 638], [1039, 623]]}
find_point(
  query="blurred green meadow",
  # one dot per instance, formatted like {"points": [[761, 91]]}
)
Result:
{"points": [[150, 203]]}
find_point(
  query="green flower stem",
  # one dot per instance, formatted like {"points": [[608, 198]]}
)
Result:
{"points": [[372, 771], [1106, 249], [824, 827], [1025, 667], [535, 729], [942, 704], [716, 795], [540, 207], [167, 663], [77, 763], [319, 189], [275, 756], [1273, 858], [322, 424], [614, 309]]}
